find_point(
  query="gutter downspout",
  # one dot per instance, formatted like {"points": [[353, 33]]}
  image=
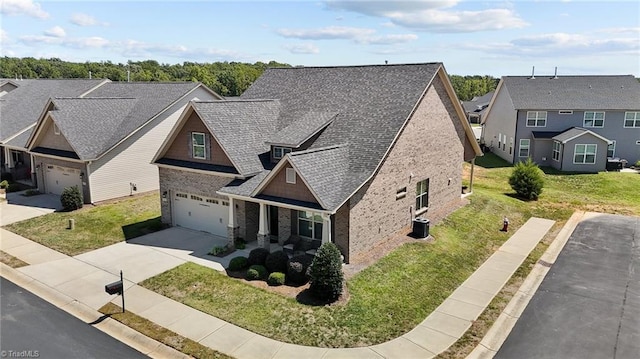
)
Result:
{"points": [[88, 174]]}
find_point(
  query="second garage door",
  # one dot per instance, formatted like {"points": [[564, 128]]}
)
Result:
{"points": [[201, 213], [57, 178]]}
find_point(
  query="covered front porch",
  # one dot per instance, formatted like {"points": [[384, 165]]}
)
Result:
{"points": [[298, 227]]}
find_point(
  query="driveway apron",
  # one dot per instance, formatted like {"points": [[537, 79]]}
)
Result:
{"points": [[19, 207]]}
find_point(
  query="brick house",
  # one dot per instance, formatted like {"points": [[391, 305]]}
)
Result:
{"points": [[349, 155]]}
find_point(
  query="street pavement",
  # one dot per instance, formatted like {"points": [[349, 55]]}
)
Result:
{"points": [[34, 328], [588, 306]]}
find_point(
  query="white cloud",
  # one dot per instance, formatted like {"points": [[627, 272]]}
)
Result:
{"points": [[81, 19], [305, 48], [34, 40], [55, 31], [387, 39], [22, 7], [434, 16], [326, 33], [4, 36], [93, 42]]}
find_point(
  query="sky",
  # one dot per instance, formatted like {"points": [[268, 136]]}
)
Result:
{"points": [[474, 37]]}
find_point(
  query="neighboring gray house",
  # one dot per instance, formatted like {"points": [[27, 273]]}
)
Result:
{"points": [[21, 103], [477, 107], [104, 142], [348, 155], [571, 123]]}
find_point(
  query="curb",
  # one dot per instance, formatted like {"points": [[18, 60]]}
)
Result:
{"points": [[113, 328], [499, 331]]}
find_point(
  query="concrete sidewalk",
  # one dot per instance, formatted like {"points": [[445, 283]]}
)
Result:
{"points": [[435, 334]]}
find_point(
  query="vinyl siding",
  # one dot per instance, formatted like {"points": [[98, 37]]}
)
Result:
{"points": [[50, 140], [112, 174], [501, 120]]}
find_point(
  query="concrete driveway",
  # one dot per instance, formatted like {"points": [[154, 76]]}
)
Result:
{"points": [[588, 305], [18, 207]]}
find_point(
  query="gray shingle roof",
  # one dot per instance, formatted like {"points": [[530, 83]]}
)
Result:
{"points": [[241, 127], [478, 104], [372, 102], [21, 107], [326, 172], [574, 92], [87, 123], [302, 129], [575, 132]]}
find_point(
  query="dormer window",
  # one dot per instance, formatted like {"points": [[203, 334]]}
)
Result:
{"points": [[279, 152]]}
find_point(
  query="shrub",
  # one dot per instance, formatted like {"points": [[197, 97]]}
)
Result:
{"points": [[256, 271], [297, 269], [637, 164], [217, 250], [238, 263], [276, 279], [239, 243], [4, 184], [326, 273], [527, 180], [276, 262], [71, 198], [258, 256]]}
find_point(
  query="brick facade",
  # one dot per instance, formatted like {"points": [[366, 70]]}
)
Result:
{"points": [[429, 147]]}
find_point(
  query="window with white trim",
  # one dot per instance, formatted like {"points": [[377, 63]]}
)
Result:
{"points": [[290, 175], [422, 194], [536, 118], [198, 148], [310, 225], [593, 119], [632, 119], [585, 154], [279, 152], [523, 148], [611, 149], [56, 130], [557, 147]]}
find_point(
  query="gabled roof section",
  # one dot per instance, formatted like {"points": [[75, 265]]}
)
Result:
{"points": [[86, 122], [21, 107], [240, 127], [574, 92], [478, 104], [299, 131], [576, 132]]}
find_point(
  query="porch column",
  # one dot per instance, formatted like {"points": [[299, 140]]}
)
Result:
{"points": [[232, 229], [326, 228], [263, 228]]}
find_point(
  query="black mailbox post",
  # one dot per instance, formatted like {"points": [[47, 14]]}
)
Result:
{"points": [[116, 288]]}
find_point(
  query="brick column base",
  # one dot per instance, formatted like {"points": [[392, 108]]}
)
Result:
{"points": [[264, 241], [232, 234]]}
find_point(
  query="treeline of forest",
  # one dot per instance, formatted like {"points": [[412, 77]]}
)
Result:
{"points": [[225, 78]]}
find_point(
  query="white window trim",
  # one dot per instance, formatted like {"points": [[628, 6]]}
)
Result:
{"points": [[420, 195], [283, 152], [553, 150], [584, 119], [636, 120], [194, 145], [527, 146], [56, 130], [537, 119], [290, 175], [613, 144], [595, 154], [313, 224]]}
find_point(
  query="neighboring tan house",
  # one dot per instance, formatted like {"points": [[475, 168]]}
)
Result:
{"points": [[571, 123], [21, 103], [477, 107], [104, 142], [349, 155]]}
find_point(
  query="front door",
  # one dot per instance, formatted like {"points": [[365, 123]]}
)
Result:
{"points": [[273, 220]]}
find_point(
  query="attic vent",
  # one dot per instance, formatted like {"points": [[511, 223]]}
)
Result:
{"points": [[565, 112]]}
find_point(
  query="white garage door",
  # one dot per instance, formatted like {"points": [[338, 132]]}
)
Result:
{"points": [[201, 213], [57, 178]]}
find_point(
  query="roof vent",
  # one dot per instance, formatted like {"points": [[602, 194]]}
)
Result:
{"points": [[533, 73], [555, 74]]}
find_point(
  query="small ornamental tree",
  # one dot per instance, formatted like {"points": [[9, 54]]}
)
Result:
{"points": [[71, 199], [527, 180], [325, 273]]}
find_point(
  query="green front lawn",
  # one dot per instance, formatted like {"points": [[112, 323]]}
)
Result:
{"points": [[95, 227], [398, 292]]}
